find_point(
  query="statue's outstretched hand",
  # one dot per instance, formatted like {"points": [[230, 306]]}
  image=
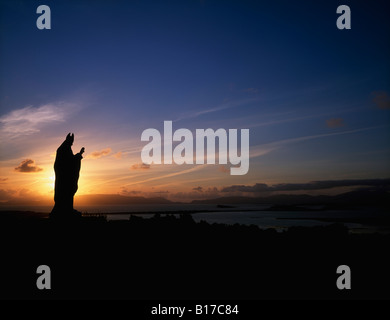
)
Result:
{"points": [[82, 150]]}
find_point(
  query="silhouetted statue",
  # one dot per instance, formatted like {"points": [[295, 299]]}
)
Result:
{"points": [[67, 170]]}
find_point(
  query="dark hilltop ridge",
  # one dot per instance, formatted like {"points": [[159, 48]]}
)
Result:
{"points": [[364, 197], [96, 199], [173, 257], [378, 197]]}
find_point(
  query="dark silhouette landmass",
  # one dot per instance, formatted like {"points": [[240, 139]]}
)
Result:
{"points": [[173, 257], [169, 257], [365, 197]]}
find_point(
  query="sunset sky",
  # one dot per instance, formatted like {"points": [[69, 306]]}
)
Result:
{"points": [[316, 99]]}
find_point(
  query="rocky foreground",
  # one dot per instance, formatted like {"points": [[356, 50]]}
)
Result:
{"points": [[168, 257]]}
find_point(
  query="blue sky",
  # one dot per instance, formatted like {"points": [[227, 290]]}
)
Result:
{"points": [[315, 98]]}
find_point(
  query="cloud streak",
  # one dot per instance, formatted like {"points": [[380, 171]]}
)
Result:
{"points": [[196, 168], [30, 120], [300, 118], [261, 150], [227, 105], [251, 90]]}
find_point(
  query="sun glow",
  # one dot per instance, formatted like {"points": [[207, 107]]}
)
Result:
{"points": [[48, 183]]}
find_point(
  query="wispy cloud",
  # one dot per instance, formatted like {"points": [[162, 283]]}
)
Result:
{"points": [[206, 193], [261, 150], [317, 136], [6, 195], [99, 154], [29, 120], [126, 192], [140, 166], [300, 118], [381, 99], [251, 90], [118, 155], [224, 106], [169, 175], [224, 169], [28, 165], [335, 123]]}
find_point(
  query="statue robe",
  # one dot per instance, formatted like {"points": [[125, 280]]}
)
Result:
{"points": [[67, 171]]}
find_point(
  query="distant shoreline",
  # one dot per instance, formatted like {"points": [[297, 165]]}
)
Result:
{"points": [[210, 209], [381, 222]]}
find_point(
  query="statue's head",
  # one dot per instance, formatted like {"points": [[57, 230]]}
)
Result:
{"points": [[70, 138]]}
